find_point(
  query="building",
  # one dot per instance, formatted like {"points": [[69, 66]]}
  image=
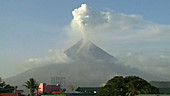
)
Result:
{"points": [[80, 91], [92, 90], [43, 88], [58, 80], [19, 91]]}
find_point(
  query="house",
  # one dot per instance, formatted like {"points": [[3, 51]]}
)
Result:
{"points": [[19, 91], [80, 91], [92, 90], [43, 88]]}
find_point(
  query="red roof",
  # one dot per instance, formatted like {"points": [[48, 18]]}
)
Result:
{"points": [[57, 92], [9, 94]]}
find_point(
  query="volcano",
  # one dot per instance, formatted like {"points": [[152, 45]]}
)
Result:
{"points": [[89, 66], [85, 50]]}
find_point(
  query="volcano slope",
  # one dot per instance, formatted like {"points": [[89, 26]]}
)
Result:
{"points": [[89, 66]]}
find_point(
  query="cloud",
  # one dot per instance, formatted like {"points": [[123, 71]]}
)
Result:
{"points": [[85, 17], [110, 26], [57, 57], [166, 50], [158, 64]]}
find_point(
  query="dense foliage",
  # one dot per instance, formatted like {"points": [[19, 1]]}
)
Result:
{"points": [[6, 88], [32, 85], [128, 86]]}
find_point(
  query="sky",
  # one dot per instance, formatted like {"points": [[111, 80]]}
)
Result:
{"points": [[31, 29]]}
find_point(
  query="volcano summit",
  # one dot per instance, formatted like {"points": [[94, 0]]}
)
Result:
{"points": [[87, 51]]}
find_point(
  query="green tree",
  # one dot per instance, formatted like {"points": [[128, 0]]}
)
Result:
{"points": [[128, 86], [114, 87], [32, 85], [137, 85], [6, 88], [132, 89]]}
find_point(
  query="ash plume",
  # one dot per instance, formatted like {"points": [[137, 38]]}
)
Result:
{"points": [[111, 26], [85, 19]]}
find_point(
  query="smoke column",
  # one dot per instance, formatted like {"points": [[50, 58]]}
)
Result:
{"points": [[80, 15], [86, 20]]}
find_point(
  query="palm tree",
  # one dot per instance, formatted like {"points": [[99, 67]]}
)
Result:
{"points": [[32, 85], [6, 88]]}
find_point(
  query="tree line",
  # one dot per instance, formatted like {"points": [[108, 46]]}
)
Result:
{"points": [[117, 86]]}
